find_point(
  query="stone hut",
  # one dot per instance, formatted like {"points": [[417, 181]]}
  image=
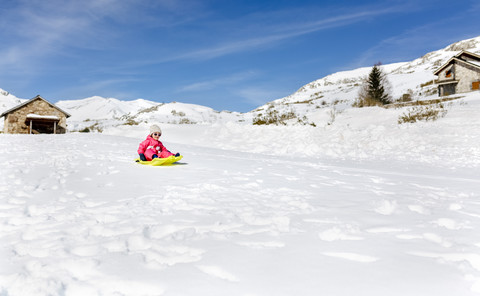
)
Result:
{"points": [[459, 74], [36, 116]]}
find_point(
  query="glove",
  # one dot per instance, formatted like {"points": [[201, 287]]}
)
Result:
{"points": [[177, 155], [142, 157]]}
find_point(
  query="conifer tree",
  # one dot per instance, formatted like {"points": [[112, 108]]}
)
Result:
{"points": [[377, 86], [376, 89]]}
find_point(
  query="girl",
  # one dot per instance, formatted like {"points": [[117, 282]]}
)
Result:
{"points": [[152, 148]]}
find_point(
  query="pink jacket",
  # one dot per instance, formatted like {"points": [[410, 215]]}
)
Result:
{"points": [[150, 146]]}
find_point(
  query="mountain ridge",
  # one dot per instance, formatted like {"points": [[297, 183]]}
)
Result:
{"points": [[336, 91]]}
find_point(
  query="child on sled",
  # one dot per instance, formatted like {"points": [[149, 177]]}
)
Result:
{"points": [[152, 148]]}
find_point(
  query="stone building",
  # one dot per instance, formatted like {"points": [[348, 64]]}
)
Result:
{"points": [[459, 74], [36, 116]]}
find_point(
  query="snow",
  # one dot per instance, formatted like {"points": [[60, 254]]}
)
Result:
{"points": [[477, 63], [8, 101], [36, 116], [354, 134], [108, 112], [354, 208]]}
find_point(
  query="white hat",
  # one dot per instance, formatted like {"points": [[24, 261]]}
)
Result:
{"points": [[155, 129]]}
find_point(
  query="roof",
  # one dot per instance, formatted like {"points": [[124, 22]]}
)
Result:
{"points": [[447, 82], [469, 54], [458, 57], [38, 97], [44, 117]]}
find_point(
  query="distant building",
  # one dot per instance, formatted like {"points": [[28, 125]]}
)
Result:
{"points": [[36, 116], [459, 74]]}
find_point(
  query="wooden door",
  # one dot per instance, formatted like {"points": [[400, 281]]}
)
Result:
{"points": [[476, 85]]}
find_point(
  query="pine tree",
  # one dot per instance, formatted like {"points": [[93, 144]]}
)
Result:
{"points": [[376, 89], [376, 86]]}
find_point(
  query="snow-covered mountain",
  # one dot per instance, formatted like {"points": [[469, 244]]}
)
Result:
{"points": [[315, 103], [7, 101], [97, 113], [339, 90]]}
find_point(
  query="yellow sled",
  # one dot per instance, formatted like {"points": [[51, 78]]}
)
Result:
{"points": [[160, 161]]}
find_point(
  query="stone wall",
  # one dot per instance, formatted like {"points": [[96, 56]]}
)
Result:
{"points": [[462, 72], [16, 121], [442, 76], [466, 74]]}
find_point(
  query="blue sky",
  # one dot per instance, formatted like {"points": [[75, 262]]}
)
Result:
{"points": [[228, 55]]}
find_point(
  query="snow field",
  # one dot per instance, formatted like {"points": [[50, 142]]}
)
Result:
{"points": [[356, 134], [79, 217]]}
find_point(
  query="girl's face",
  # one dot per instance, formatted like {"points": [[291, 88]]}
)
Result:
{"points": [[156, 135]]}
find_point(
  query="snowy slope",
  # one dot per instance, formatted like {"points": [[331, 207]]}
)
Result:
{"points": [[8, 101], [79, 217], [97, 108], [103, 113], [98, 113], [339, 90], [355, 134]]}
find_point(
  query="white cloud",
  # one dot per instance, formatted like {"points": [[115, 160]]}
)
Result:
{"points": [[279, 31], [35, 30], [214, 83], [257, 96], [411, 43]]}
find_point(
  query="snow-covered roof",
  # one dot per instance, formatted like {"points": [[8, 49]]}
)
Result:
{"points": [[447, 82], [36, 116], [474, 59], [38, 97]]}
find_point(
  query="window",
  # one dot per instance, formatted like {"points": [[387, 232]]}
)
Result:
{"points": [[476, 85]]}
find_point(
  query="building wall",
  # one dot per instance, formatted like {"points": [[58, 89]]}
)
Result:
{"points": [[16, 123], [442, 76], [466, 74]]}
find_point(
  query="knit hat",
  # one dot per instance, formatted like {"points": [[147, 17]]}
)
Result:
{"points": [[155, 129]]}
